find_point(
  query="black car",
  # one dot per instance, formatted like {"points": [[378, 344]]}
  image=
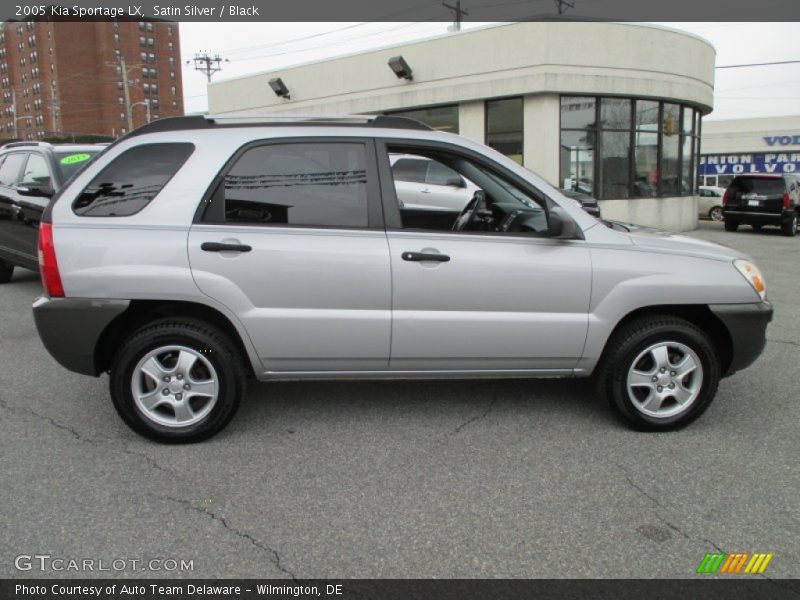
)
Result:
{"points": [[30, 173], [587, 202], [762, 200]]}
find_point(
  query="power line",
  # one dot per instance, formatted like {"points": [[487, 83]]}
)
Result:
{"points": [[764, 64], [458, 12]]}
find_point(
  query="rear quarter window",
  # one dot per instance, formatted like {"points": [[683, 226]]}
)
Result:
{"points": [[131, 180]]}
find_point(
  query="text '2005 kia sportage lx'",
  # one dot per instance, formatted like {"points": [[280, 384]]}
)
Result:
{"points": [[196, 251]]}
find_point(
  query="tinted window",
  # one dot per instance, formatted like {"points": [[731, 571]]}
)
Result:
{"points": [[410, 169], [299, 184], [10, 171], [439, 174], [37, 172], [760, 185], [132, 180], [71, 162]]}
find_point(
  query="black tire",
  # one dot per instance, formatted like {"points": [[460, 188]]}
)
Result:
{"points": [[789, 228], [731, 225], [715, 214], [6, 271], [195, 335], [625, 347]]}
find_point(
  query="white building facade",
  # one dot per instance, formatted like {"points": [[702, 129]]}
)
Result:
{"points": [[609, 109]]}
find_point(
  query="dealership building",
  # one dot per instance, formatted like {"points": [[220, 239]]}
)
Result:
{"points": [[609, 109]]}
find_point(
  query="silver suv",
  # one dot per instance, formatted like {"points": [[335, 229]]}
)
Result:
{"points": [[198, 251]]}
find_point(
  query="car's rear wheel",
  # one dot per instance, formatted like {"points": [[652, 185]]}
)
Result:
{"points": [[659, 373], [789, 228], [731, 225], [715, 214], [177, 380], [6, 271]]}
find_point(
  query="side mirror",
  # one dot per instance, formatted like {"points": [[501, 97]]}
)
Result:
{"points": [[561, 226], [35, 190], [456, 182]]}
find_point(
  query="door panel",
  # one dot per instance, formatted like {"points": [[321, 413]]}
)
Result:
{"points": [[498, 303]]}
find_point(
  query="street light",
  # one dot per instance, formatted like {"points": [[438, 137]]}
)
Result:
{"points": [[145, 103]]}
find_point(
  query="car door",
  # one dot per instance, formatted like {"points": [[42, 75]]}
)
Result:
{"points": [[485, 300], [292, 243], [14, 233], [37, 181]]}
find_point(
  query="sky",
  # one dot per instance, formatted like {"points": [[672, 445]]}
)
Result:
{"points": [[761, 91]]}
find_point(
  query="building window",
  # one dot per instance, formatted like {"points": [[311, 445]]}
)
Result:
{"points": [[150, 42], [171, 61], [504, 127], [143, 56], [627, 148], [442, 118], [116, 38], [151, 57], [169, 30], [146, 88], [141, 25], [120, 100], [142, 40], [172, 89], [122, 116], [149, 26]]}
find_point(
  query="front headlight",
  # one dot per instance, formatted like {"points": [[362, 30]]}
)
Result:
{"points": [[753, 275]]}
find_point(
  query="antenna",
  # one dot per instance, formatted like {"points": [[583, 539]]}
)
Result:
{"points": [[205, 63]]}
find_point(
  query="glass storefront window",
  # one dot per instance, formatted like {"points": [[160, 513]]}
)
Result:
{"points": [[645, 162], [615, 113], [637, 148], [577, 112], [504, 127], [442, 118], [615, 149], [577, 161]]}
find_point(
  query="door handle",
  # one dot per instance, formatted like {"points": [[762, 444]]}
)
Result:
{"points": [[421, 256], [220, 247]]}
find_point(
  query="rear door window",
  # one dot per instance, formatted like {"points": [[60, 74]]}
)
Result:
{"points": [[131, 180], [315, 184], [12, 166]]}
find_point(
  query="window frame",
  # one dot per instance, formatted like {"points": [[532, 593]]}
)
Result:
{"points": [[391, 206], [204, 215]]}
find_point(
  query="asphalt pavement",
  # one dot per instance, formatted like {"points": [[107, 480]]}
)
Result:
{"points": [[413, 479]]}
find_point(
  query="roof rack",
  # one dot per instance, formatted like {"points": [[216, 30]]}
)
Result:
{"points": [[22, 144], [276, 119]]}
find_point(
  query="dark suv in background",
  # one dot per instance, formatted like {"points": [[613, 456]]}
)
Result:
{"points": [[30, 174], [762, 200]]}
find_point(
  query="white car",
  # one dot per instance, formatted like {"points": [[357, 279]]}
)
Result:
{"points": [[426, 184], [709, 204]]}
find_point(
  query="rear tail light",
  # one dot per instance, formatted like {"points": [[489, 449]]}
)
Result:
{"points": [[726, 197], [48, 266], [786, 203]]}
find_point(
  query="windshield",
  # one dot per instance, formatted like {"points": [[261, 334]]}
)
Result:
{"points": [[70, 162]]}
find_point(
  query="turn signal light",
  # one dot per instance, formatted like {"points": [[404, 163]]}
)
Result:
{"points": [[753, 275]]}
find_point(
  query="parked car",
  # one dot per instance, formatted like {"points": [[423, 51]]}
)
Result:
{"points": [[30, 173], [199, 250], [759, 200], [709, 203], [585, 201]]}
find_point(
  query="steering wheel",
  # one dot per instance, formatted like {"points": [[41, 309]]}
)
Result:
{"points": [[473, 207]]}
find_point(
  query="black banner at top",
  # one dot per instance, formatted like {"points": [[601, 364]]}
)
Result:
{"points": [[404, 10]]}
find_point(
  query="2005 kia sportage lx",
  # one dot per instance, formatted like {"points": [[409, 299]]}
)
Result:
{"points": [[197, 250]]}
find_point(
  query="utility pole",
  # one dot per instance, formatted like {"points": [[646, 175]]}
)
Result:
{"points": [[126, 90], [562, 5], [14, 108], [459, 12], [53, 108], [205, 63]]}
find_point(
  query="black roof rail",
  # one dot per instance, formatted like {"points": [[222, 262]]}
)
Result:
{"points": [[275, 120]]}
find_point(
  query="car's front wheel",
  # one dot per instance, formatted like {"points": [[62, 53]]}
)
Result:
{"points": [[715, 214], [177, 380], [789, 228], [731, 225], [659, 373], [6, 271]]}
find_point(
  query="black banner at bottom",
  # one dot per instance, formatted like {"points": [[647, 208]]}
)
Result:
{"points": [[406, 589]]}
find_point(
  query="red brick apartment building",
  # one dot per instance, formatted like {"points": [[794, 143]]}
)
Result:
{"points": [[61, 78]]}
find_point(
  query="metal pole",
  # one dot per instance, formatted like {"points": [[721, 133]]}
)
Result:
{"points": [[14, 108], [53, 107], [127, 92]]}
